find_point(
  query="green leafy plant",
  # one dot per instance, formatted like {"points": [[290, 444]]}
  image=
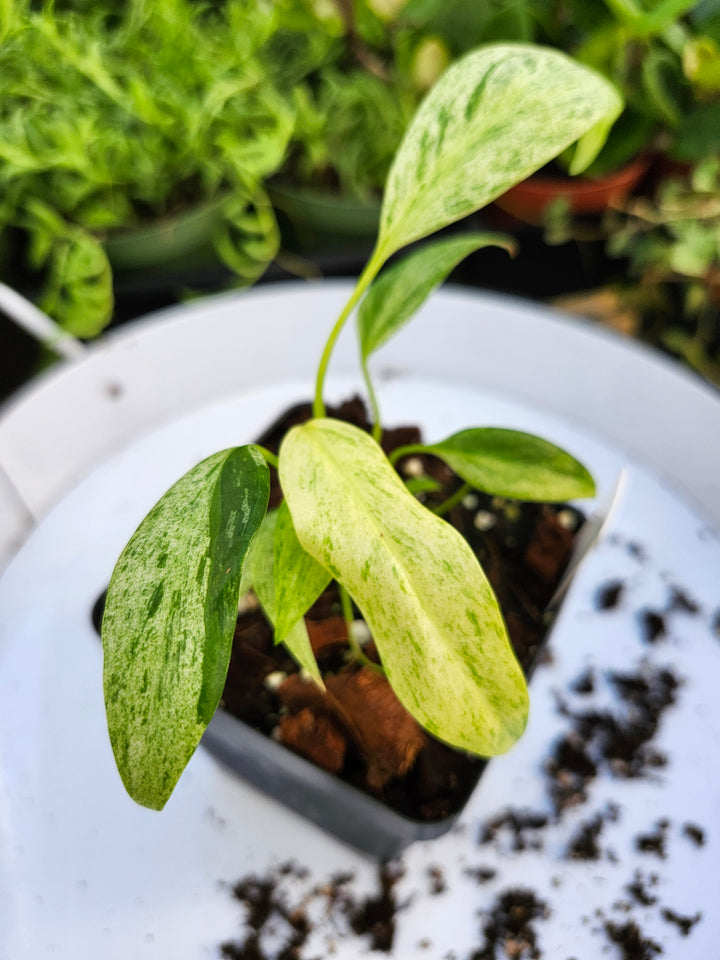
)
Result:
{"points": [[116, 116], [494, 117], [672, 245]]}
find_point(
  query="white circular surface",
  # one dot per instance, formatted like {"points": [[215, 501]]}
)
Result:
{"points": [[84, 872]]}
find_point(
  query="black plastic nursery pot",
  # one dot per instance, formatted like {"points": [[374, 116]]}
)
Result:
{"points": [[340, 809]]}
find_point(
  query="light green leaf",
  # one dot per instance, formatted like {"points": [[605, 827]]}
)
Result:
{"points": [[403, 287], [417, 485], [428, 605], [509, 463], [262, 565], [496, 116], [299, 579], [170, 615]]}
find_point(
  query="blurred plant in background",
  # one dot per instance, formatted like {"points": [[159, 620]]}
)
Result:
{"points": [[113, 115]]}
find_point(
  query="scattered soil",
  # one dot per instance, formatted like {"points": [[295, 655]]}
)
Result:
{"points": [[585, 683], [654, 842], [359, 730], [618, 742], [681, 601], [510, 926], [523, 826], [584, 844], [609, 595], [375, 916], [267, 911], [694, 833], [638, 889], [684, 924], [653, 625], [632, 944]]}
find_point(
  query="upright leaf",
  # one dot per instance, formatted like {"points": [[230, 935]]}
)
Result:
{"points": [[170, 614], [262, 563], [430, 609], [509, 463], [403, 287], [299, 578], [497, 115]]}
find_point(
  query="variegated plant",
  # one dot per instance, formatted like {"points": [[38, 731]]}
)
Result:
{"points": [[494, 117]]}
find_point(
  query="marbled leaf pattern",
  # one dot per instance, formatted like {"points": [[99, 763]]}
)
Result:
{"points": [[494, 117], [170, 615], [428, 605]]}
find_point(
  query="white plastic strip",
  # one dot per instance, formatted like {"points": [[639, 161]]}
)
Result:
{"points": [[27, 316]]}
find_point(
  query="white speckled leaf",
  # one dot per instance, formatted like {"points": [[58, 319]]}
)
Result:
{"points": [[170, 615], [262, 566], [430, 609], [494, 117], [403, 287], [510, 463]]}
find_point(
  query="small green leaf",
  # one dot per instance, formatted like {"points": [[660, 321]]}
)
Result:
{"points": [[299, 579], [509, 463], [417, 485], [170, 615], [262, 563], [428, 605], [403, 287], [497, 115]]}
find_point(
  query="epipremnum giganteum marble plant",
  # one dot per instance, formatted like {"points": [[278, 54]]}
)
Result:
{"points": [[495, 116]]}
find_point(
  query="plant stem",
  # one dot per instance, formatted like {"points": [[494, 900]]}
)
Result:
{"points": [[355, 647], [405, 451], [372, 397], [270, 457], [366, 277], [452, 501]]}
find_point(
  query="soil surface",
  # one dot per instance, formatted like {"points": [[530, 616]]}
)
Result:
{"points": [[358, 730]]}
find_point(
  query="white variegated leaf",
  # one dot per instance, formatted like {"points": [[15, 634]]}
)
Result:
{"points": [[495, 116], [170, 616], [428, 605]]}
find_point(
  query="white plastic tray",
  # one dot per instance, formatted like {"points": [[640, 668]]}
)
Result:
{"points": [[86, 873]]}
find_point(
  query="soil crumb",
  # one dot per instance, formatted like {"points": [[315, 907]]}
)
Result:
{"points": [[510, 926], [653, 626], [680, 600], [522, 826], [638, 889], [694, 833], [654, 842], [633, 945], [609, 595], [584, 844], [376, 914], [684, 924]]}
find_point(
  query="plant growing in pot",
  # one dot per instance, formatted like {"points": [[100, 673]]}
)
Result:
{"points": [[347, 517]]}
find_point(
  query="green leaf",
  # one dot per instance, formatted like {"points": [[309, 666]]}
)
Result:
{"points": [[496, 116], [509, 463], [170, 616], [262, 564], [428, 605], [299, 579], [402, 288], [417, 485]]}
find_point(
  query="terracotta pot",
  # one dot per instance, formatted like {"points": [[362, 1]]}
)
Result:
{"points": [[529, 201]]}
